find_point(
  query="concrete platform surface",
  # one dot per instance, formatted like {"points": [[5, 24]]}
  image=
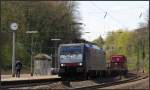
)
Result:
{"points": [[26, 77]]}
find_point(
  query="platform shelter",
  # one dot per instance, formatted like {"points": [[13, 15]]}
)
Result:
{"points": [[42, 64]]}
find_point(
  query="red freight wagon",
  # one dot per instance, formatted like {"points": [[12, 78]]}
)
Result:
{"points": [[118, 64], [118, 59]]}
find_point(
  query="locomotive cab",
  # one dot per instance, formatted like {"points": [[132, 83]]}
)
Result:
{"points": [[71, 60], [118, 64]]}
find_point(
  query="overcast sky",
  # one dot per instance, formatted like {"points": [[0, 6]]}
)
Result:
{"points": [[120, 14]]}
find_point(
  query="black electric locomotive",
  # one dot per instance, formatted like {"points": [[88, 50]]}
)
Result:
{"points": [[81, 60]]}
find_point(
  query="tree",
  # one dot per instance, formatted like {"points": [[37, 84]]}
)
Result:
{"points": [[52, 19], [99, 41]]}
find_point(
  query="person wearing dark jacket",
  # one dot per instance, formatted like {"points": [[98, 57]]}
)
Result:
{"points": [[18, 67]]}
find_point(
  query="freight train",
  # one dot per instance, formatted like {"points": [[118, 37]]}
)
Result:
{"points": [[118, 65], [86, 60]]}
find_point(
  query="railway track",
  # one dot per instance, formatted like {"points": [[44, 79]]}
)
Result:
{"points": [[59, 84], [113, 83]]}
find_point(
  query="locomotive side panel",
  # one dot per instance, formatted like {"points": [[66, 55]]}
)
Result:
{"points": [[96, 60]]}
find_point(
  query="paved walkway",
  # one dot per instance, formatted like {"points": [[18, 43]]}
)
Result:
{"points": [[26, 77]]}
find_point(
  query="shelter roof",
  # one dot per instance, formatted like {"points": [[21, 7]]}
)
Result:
{"points": [[42, 56]]}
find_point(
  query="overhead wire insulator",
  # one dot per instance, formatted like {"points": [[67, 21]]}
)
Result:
{"points": [[105, 15], [140, 15]]}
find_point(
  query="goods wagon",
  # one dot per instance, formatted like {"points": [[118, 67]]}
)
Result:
{"points": [[118, 64]]}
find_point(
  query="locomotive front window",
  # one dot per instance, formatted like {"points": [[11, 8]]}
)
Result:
{"points": [[70, 54], [70, 49]]}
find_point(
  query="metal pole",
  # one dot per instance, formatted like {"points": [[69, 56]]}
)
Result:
{"points": [[13, 55], [31, 50], [138, 58], [0, 61], [0, 76], [143, 55], [55, 55], [31, 57]]}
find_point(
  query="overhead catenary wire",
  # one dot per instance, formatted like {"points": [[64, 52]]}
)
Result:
{"points": [[127, 9], [102, 11], [108, 13], [105, 15]]}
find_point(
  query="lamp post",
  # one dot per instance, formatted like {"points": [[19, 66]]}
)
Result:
{"points": [[31, 52], [143, 55], [55, 59], [14, 27], [137, 63]]}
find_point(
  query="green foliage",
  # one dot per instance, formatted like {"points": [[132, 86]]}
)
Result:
{"points": [[133, 44], [99, 41], [52, 19]]}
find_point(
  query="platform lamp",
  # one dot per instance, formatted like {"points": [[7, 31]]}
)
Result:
{"points": [[55, 40], [14, 27], [31, 46]]}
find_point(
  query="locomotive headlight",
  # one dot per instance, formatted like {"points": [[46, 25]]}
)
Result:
{"points": [[80, 64], [62, 65]]}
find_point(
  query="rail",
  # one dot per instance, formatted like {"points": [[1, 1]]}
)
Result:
{"points": [[113, 83], [57, 83]]}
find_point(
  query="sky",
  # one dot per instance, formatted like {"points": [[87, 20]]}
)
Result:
{"points": [[120, 15]]}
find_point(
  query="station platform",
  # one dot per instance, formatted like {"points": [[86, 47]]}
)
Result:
{"points": [[26, 77]]}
